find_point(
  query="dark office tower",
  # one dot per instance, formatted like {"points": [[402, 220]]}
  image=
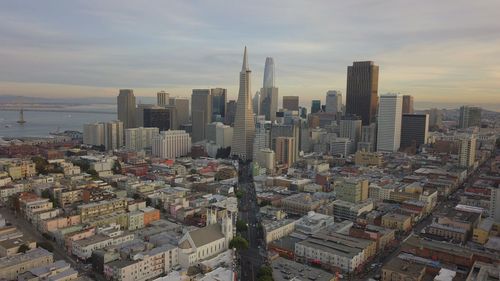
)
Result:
{"points": [[414, 130], [230, 112], [219, 96], [362, 90], [126, 108], [408, 104], [291, 103], [470, 116], [157, 118], [303, 112], [315, 106], [201, 113]]}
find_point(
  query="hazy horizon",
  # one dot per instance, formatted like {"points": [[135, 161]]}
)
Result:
{"points": [[442, 52]]}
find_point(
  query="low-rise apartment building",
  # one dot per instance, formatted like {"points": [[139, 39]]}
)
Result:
{"points": [[12, 266]]}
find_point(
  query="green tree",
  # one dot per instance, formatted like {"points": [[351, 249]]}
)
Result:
{"points": [[41, 164], [239, 194], [265, 273], [23, 248], [117, 168], [238, 243], [46, 193], [241, 226]]}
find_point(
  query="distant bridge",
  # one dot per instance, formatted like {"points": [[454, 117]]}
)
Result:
{"points": [[57, 110]]}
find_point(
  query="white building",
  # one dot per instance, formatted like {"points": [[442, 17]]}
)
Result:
{"points": [[341, 146], [109, 134], [171, 144], [143, 266], [83, 248], [137, 139], [113, 135], [220, 134], [206, 242], [262, 135], [495, 204], [333, 102], [389, 122], [266, 158]]}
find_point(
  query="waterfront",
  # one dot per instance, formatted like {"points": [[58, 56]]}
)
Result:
{"points": [[41, 123]]}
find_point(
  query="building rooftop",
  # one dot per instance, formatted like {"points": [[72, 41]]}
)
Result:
{"points": [[29, 255], [207, 234], [414, 270], [396, 217], [272, 225], [284, 269]]}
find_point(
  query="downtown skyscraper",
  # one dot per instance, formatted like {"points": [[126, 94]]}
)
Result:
{"points": [[244, 125], [126, 108], [362, 91], [389, 123], [268, 105]]}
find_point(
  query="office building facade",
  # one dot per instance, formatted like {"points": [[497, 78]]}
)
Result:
{"points": [[362, 91], [389, 123], [126, 108], [414, 130], [291, 103], [171, 144], [201, 113]]}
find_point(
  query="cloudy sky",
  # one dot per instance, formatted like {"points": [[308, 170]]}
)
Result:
{"points": [[445, 51]]}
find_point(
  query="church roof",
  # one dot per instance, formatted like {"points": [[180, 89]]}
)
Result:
{"points": [[206, 235]]}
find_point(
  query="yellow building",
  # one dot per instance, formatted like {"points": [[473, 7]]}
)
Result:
{"points": [[351, 190], [396, 221], [274, 230], [11, 267], [484, 230], [21, 169], [98, 209], [366, 158]]}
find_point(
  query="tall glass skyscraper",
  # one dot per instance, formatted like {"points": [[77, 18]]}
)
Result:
{"points": [[269, 93]]}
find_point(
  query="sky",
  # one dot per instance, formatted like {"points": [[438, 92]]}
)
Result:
{"points": [[441, 52]]}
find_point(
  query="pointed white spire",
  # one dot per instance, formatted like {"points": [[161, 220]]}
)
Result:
{"points": [[244, 67]]}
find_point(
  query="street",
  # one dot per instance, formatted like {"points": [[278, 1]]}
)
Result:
{"points": [[30, 232], [251, 259]]}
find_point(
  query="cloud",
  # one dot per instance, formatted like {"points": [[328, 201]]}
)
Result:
{"points": [[432, 49]]}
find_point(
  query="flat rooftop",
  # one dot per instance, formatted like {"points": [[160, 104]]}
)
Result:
{"points": [[284, 269]]}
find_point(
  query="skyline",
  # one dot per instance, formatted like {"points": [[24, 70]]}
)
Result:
{"points": [[442, 52]]}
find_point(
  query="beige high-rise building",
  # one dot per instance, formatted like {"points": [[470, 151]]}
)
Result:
{"points": [[109, 134], [291, 103], [285, 150], [182, 110], [408, 104], [93, 134], [266, 158], [113, 135], [137, 139], [244, 125], [126, 108], [467, 151], [162, 98]]}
